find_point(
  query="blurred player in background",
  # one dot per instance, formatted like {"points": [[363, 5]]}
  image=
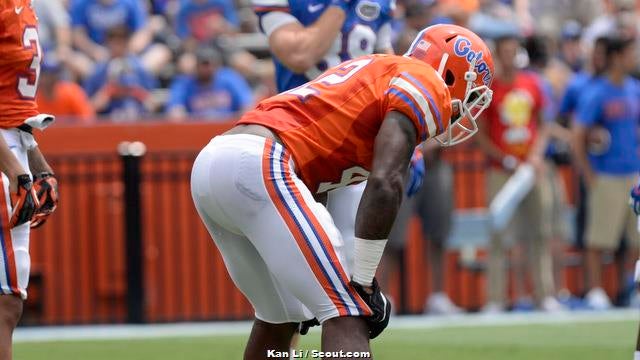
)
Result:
{"points": [[361, 120], [26, 204], [605, 144], [308, 37]]}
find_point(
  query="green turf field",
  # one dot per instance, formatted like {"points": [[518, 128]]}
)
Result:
{"points": [[583, 341]]}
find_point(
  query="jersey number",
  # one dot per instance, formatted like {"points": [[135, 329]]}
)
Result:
{"points": [[26, 87], [332, 77], [359, 41], [352, 175]]}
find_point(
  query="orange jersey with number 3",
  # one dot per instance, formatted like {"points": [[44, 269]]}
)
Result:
{"points": [[19, 62], [330, 124]]}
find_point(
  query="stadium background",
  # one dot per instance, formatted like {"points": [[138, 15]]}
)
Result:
{"points": [[126, 244]]}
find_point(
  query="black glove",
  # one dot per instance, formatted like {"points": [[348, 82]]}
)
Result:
{"points": [[380, 306], [46, 187], [306, 325], [24, 202]]}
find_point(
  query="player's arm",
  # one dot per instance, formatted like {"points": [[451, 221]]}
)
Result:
{"points": [[37, 162], [382, 196], [298, 47], [378, 208]]}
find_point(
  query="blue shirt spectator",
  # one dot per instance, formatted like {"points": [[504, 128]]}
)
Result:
{"points": [[96, 17], [616, 109], [203, 19], [214, 92], [126, 83], [120, 86]]}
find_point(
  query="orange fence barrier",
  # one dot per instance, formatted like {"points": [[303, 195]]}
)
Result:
{"points": [[79, 272]]}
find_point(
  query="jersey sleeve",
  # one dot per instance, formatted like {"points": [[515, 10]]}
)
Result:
{"points": [[414, 92], [272, 14]]}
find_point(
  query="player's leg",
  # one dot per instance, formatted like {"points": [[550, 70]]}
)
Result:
{"points": [[15, 261], [10, 312], [220, 201], [345, 333], [267, 337], [303, 249], [277, 312], [14, 277]]}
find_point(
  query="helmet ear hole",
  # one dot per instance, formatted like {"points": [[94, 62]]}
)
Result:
{"points": [[449, 78]]}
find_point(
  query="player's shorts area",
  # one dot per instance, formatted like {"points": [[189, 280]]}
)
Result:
{"points": [[280, 246]]}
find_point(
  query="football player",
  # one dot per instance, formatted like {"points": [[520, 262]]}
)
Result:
{"points": [[255, 186], [307, 37], [26, 201]]}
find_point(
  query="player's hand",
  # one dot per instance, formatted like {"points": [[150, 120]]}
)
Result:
{"points": [[24, 201], [634, 199], [378, 303], [416, 173], [46, 187]]}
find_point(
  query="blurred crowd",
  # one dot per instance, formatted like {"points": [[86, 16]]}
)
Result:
{"points": [[564, 93], [134, 60]]}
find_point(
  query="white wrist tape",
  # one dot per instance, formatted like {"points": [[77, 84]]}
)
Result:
{"points": [[367, 255], [636, 275], [636, 355]]}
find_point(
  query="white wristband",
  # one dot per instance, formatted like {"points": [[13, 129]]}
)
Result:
{"points": [[367, 255], [636, 355], [636, 274]]}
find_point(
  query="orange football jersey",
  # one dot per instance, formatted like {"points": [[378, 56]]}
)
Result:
{"points": [[330, 124], [20, 55]]}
